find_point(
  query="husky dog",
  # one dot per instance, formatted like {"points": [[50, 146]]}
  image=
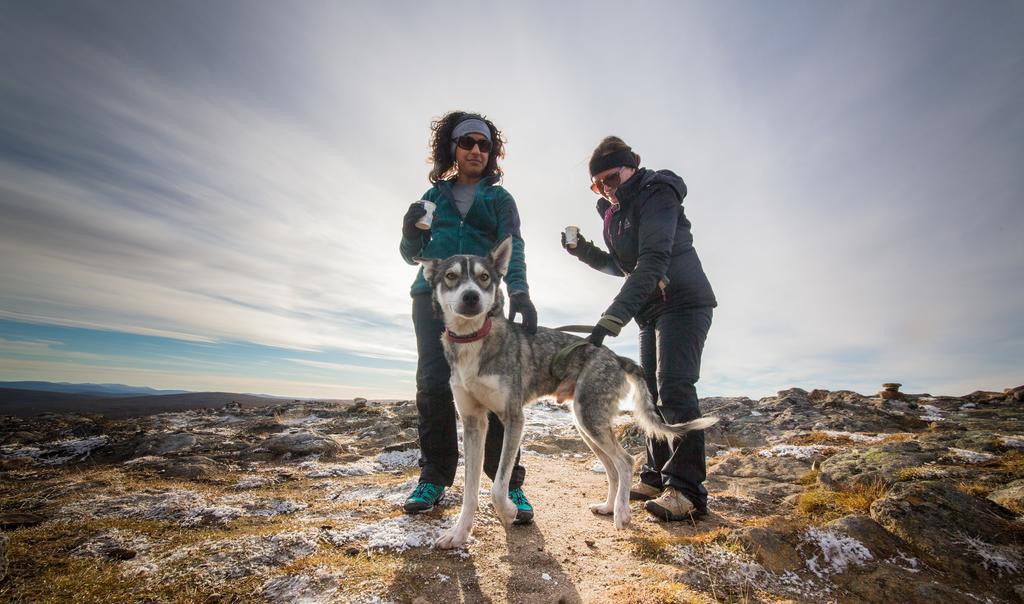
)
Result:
{"points": [[497, 367]]}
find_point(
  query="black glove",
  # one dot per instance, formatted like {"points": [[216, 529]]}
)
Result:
{"points": [[519, 302], [409, 229], [581, 244], [597, 335], [609, 325]]}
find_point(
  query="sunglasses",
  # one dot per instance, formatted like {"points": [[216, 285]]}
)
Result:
{"points": [[612, 181], [468, 142]]}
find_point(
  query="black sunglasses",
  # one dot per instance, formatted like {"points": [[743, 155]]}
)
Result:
{"points": [[612, 181], [468, 142]]}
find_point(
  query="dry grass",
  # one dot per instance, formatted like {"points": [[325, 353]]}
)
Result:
{"points": [[664, 592], [897, 438], [1010, 466], [657, 548], [42, 570], [977, 489], [820, 438], [823, 505]]}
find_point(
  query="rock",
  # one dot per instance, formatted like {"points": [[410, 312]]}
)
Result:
{"points": [[879, 463], [769, 548], [881, 543], [3, 557], [13, 520], [817, 395], [301, 442], [1015, 394], [762, 478], [232, 407], [162, 444], [195, 467], [947, 527], [891, 392], [401, 446], [1011, 496]]}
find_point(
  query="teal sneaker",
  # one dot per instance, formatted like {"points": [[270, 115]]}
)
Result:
{"points": [[424, 498], [524, 513]]}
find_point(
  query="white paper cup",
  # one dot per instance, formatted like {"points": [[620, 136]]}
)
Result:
{"points": [[428, 218], [572, 234]]}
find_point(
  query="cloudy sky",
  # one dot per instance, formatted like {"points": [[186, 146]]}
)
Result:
{"points": [[208, 196]]}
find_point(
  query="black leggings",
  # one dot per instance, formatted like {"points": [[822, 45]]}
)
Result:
{"points": [[670, 350], [439, 446]]}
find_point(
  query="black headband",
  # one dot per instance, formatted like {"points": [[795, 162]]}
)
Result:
{"points": [[623, 157]]}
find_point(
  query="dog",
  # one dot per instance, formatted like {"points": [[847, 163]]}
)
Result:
{"points": [[496, 366]]}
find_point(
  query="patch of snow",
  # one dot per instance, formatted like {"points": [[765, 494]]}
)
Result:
{"points": [[971, 456], [387, 461], [796, 451], [838, 552], [1014, 441], [547, 417], [302, 589], [391, 494], [545, 576], [995, 558], [397, 534], [397, 460], [905, 562], [57, 452], [253, 482], [855, 436], [968, 406], [230, 559], [184, 507], [723, 564], [932, 413], [756, 413]]}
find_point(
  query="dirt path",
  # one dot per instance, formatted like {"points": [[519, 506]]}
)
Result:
{"points": [[567, 555]]}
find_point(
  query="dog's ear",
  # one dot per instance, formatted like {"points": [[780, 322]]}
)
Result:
{"points": [[429, 267], [501, 255]]}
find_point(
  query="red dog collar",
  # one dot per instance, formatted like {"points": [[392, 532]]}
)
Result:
{"points": [[473, 337]]}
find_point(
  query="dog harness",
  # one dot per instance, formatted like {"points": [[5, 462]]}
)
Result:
{"points": [[558, 361]]}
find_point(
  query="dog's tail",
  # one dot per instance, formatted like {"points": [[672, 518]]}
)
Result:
{"points": [[646, 414]]}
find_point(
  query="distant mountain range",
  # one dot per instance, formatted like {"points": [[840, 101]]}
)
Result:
{"points": [[106, 390]]}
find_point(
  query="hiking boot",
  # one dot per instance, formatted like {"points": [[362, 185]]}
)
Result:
{"points": [[673, 505], [424, 498], [524, 511], [641, 491]]}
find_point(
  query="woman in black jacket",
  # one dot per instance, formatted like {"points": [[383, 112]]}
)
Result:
{"points": [[667, 293]]}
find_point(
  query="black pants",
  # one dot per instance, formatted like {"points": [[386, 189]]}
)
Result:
{"points": [[439, 445], [670, 350]]}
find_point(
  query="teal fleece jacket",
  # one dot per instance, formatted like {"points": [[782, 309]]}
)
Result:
{"points": [[492, 217]]}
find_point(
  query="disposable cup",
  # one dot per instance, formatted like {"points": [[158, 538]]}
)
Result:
{"points": [[428, 218], [572, 234]]}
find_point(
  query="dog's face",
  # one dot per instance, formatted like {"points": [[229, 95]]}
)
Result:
{"points": [[468, 286]]}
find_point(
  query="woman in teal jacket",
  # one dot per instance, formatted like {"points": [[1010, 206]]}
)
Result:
{"points": [[472, 214]]}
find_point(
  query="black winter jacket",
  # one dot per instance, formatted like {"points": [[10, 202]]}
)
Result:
{"points": [[649, 241]]}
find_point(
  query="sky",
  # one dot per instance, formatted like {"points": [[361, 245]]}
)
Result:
{"points": [[208, 196]]}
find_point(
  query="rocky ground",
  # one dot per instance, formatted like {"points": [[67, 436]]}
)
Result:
{"points": [[815, 496]]}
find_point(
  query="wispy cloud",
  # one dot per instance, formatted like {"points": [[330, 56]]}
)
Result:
{"points": [[853, 171]]}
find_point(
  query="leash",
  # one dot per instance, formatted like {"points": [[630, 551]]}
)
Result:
{"points": [[575, 328]]}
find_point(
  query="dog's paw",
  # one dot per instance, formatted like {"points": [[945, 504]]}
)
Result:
{"points": [[505, 510], [622, 518], [602, 509], [452, 539]]}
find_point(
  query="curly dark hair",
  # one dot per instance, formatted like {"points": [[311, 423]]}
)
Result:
{"points": [[441, 146]]}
